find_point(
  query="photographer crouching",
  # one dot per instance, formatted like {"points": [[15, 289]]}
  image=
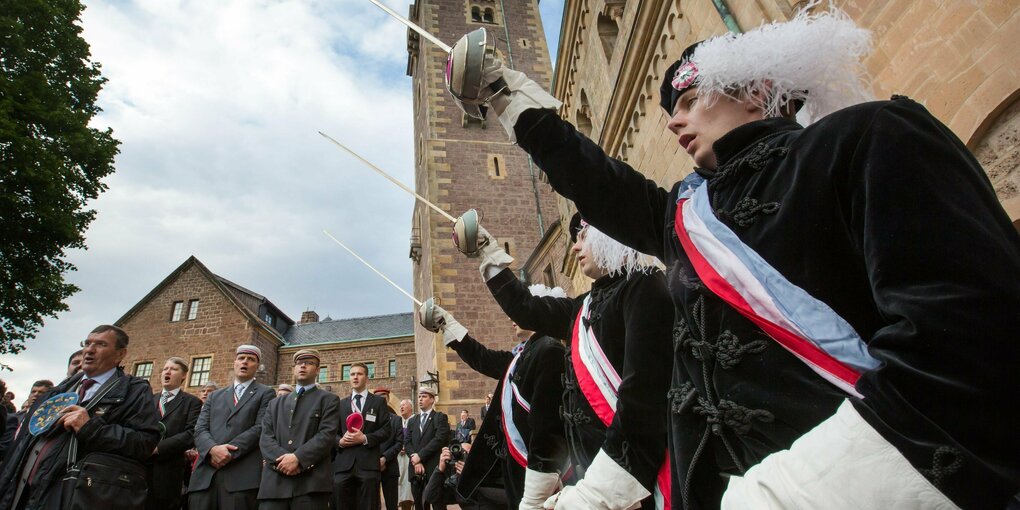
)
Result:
{"points": [[442, 485]]}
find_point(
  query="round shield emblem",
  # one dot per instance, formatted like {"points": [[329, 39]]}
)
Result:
{"points": [[49, 412]]}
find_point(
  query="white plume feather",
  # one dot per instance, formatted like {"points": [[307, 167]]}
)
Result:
{"points": [[813, 57], [616, 258], [539, 290]]}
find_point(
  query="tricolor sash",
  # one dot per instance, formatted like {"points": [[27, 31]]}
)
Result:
{"points": [[600, 384], [514, 440], [803, 325]]}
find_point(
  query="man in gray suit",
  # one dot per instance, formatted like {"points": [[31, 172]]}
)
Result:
{"points": [[227, 434], [297, 441], [356, 471]]}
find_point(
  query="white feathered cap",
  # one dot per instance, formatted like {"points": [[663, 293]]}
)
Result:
{"points": [[609, 254], [814, 59]]}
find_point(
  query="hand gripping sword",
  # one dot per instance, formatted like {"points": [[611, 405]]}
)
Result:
{"points": [[427, 317]]}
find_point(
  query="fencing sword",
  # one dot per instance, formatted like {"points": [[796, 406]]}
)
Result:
{"points": [[390, 178], [427, 316], [465, 229], [421, 31], [395, 286]]}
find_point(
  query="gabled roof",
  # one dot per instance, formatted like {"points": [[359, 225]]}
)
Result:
{"points": [[349, 330], [253, 299], [217, 282]]}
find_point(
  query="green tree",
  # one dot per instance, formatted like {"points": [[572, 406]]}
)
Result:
{"points": [[51, 161]]}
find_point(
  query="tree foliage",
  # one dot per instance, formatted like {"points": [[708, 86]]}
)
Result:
{"points": [[51, 161]]}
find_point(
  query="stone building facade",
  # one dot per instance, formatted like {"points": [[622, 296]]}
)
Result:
{"points": [[956, 58], [462, 163], [202, 317]]}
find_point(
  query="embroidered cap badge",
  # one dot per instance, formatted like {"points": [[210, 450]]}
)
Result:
{"points": [[685, 75]]}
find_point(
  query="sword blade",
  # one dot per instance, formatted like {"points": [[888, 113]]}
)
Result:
{"points": [[421, 31], [390, 178], [395, 286]]}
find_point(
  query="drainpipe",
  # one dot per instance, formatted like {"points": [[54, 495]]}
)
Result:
{"points": [[531, 164], [727, 17]]}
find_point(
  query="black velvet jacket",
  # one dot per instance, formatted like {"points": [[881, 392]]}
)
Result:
{"points": [[882, 213], [538, 377], [631, 317]]}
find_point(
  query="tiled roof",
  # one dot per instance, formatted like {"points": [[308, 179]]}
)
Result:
{"points": [[347, 330]]}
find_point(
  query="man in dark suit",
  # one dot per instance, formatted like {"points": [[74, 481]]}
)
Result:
{"points": [[297, 441], [356, 471], [229, 466], [430, 432], [178, 413], [389, 451], [485, 408], [465, 427]]}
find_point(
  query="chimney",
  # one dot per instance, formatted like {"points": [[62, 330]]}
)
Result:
{"points": [[308, 317]]}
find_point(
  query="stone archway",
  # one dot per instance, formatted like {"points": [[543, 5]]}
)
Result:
{"points": [[998, 151]]}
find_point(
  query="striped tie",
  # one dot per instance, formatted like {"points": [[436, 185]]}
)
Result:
{"points": [[238, 393], [163, 399]]}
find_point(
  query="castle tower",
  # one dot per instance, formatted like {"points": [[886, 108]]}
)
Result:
{"points": [[463, 163]]}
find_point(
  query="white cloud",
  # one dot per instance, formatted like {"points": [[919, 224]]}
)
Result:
{"points": [[217, 104]]}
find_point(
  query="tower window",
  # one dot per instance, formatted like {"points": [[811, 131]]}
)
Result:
{"points": [[497, 166], [482, 11]]}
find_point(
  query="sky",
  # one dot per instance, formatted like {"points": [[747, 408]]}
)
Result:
{"points": [[217, 106]]}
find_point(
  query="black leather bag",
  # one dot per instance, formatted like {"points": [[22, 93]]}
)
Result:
{"points": [[104, 480], [100, 479]]}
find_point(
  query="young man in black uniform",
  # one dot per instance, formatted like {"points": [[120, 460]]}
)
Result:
{"points": [[618, 364], [429, 431], [522, 433], [846, 292]]}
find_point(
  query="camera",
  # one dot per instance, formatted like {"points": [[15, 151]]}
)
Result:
{"points": [[457, 453]]}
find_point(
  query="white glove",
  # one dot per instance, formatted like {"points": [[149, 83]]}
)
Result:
{"points": [[605, 486], [494, 258], [452, 330], [524, 94], [537, 487]]}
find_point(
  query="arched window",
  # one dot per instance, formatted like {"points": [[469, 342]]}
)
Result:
{"points": [[608, 30]]}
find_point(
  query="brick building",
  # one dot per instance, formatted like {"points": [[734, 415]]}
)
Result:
{"points": [[462, 163], [956, 58], [202, 317]]}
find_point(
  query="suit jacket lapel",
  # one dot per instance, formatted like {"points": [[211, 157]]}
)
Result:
{"points": [[173, 404], [244, 399]]}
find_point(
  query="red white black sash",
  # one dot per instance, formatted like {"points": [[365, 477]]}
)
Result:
{"points": [[803, 325], [514, 440], [600, 384]]}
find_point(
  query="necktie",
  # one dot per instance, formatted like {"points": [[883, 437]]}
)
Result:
{"points": [[238, 392], [357, 402], [163, 399], [424, 418], [300, 391], [83, 389]]}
